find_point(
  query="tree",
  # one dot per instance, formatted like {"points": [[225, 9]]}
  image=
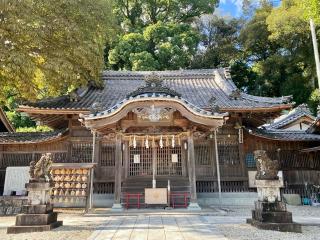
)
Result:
{"points": [[160, 46], [133, 14], [49, 47], [276, 47], [157, 34], [218, 45], [311, 9]]}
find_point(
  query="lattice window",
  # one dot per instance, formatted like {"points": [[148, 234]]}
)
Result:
{"points": [[107, 157], [165, 166], [202, 154], [144, 167], [228, 153], [250, 161], [16, 159], [81, 152]]}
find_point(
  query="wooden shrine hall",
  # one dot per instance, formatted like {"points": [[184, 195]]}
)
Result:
{"points": [[189, 131]]}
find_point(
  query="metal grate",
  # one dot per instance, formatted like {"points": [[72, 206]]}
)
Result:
{"points": [[144, 168], [165, 166], [107, 157]]}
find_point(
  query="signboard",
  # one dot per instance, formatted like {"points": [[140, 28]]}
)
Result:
{"points": [[156, 196], [252, 178], [136, 158], [174, 158]]}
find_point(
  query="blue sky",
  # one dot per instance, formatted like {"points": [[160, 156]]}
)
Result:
{"points": [[234, 7], [230, 7]]}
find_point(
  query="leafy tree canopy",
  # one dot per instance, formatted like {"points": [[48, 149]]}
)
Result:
{"points": [[157, 34], [49, 47], [133, 14], [160, 46], [311, 9]]}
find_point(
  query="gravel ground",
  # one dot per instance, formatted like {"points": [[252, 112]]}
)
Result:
{"points": [[247, 232], [75, 227], [299, 211], [229, 222]]}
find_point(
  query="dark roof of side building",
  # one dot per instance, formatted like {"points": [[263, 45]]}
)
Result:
{"points": [[285, 135], [202, 88], [30, 137], [302, 111]]}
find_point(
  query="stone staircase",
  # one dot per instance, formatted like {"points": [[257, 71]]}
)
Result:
{"points": [[135, 185], [138, 184]]}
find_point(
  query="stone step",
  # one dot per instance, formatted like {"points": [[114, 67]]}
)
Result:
{"points": [[39, 228], [272, 217], [36, 219], [282, 227]]}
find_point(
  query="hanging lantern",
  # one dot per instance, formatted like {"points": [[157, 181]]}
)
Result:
{"points": [[147, 142], [173, 142], [134, 142], [161, 142]]}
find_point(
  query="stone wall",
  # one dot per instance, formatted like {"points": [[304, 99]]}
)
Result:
{"points": [[11, 205]]}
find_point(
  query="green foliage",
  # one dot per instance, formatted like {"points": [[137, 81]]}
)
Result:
{"points": [[49, 47], [20, 120], [311, 9], [219, 42], [137, 14], [34, 129], [277, 47], [314, 100], [160, 46], [157, 35]]}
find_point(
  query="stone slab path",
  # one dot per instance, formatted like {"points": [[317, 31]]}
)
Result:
{"points": [[157, 227]]}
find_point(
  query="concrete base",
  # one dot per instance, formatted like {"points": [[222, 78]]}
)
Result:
{"points": [[116, 207], [194, 207], [39, 228], [273, 216], [282, 227], [36, 218]]}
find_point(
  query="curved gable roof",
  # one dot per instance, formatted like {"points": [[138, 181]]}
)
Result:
{"points": [[203, 88]]}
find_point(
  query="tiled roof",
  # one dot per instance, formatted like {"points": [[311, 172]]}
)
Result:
{"points": [[30, 137], [294, 115], [202, 88], [285, 135]]}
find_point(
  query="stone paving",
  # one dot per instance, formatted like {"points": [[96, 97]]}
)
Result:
{"points": [[157, 227]]}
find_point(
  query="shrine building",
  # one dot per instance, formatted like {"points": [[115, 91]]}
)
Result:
{"points": [[192, 132]]}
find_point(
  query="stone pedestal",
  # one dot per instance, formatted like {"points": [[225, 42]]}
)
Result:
{"points": [[38, 215], [270, 212]]}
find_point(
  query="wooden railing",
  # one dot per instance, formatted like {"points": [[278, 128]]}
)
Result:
{"points": [[103, 187], [226, 186]]}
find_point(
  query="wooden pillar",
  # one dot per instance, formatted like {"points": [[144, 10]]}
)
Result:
{"points": [[213, 162], [117, 179], [192, 174], [126, 158], [184, 158], [218, 164], [154, 166]]}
